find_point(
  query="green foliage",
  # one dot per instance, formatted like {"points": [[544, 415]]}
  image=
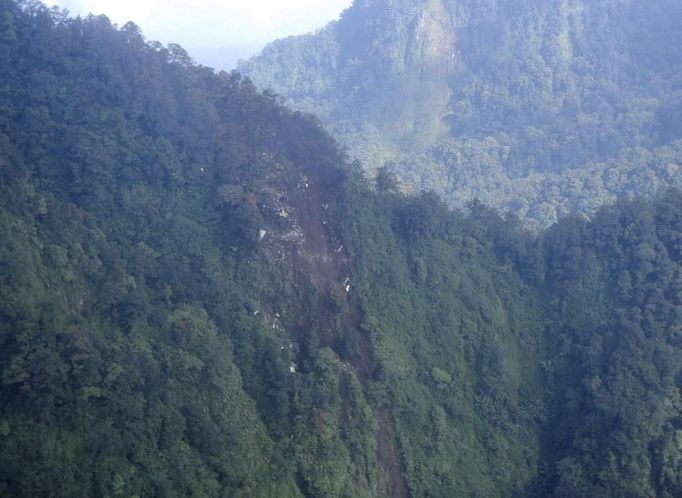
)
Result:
{"points": [[199, 296], [132, 362], [616, 349], [455, 347]]}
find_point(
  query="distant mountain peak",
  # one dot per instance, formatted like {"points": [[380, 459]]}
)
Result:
{"points": [[510, 102]]}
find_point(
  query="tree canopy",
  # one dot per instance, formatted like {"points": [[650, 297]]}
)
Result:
{"points": [[200, 295]]}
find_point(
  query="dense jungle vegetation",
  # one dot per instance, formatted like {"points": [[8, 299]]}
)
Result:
{"points": [[201, 295], [540, 107]]}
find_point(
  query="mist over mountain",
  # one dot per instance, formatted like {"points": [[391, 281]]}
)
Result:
{"points": [[541, 108], [223, 58], [202, 295]]}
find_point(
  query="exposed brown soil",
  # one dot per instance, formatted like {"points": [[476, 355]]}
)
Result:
{"points": [[318, 255], [391, 478], [322, 257]]}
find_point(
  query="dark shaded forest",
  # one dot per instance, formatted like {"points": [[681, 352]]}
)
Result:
{"points": [[201, 295], [543, 108]]}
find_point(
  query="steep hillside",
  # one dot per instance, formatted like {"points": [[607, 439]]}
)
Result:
{"points": [[540, 108], [201, 296]]}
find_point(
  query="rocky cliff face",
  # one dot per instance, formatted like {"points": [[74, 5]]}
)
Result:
{"points": [[431, 50]]}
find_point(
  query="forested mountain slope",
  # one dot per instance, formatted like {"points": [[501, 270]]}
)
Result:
{"points": [[542, 108], [201, 296]]}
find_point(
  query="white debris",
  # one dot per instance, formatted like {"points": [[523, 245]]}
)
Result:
{"points": [[292, 368], [293, 235], [261, 234], [339, 249], [347, 289]]}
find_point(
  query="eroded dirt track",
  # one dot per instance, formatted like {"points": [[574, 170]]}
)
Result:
{"points": [[391, 478]]}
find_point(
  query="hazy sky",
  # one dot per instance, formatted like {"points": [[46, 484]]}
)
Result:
{"points": [[205, 26]]}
